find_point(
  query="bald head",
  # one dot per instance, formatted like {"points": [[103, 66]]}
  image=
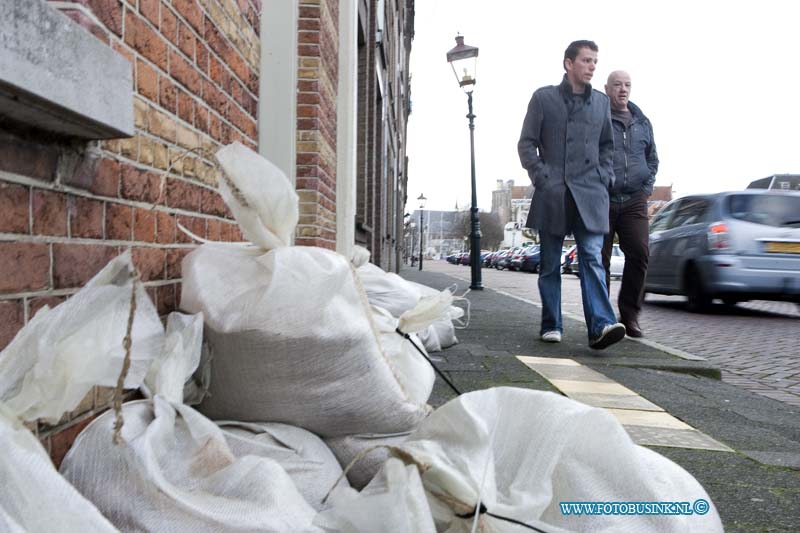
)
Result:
{"points": [[618, 89]]}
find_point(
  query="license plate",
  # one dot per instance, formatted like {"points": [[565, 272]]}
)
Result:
{"points": [[783, 247]]}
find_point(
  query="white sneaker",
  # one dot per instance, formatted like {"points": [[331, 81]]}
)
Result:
{"points": [[611, 334], [551, 336]]}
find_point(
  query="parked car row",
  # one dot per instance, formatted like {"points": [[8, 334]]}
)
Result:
{"points": [[569, 261]]}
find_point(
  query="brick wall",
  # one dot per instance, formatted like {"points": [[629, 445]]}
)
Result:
{"points": [[317, 83], [68, 207]]}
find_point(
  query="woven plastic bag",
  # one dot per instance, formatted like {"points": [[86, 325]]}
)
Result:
{"points": [[363, 455], [173, 470], [47, 369], [394, 502], [520, 453], [290, 329]]}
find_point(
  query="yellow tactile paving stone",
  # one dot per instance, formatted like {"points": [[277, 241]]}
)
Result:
{"points": [[569, 386], [528, 360], [615, 401], [630, 417], [646, 423]]}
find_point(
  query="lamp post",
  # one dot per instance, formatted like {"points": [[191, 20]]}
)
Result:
{"points": [[421, 199], [464, 59]]}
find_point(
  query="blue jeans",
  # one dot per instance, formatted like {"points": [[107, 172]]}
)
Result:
{"points": [[596, 306]]}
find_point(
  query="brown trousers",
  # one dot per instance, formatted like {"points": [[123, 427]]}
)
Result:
{"points": [[629, 221]]}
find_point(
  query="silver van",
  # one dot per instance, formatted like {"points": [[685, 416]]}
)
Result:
{"points": [[735, 246]]}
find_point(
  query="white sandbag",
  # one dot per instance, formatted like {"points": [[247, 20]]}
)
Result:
{"points": [[359, 256], [414, 373], [173, 470], [47, 369], [522, 452], [393, 502], [309, 462], [35, 498], [388, 290], [430, 339], [63, 352], [289, 329], [370, 452]]}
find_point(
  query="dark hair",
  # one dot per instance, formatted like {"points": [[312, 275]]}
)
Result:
{"points": [[575, 47]]}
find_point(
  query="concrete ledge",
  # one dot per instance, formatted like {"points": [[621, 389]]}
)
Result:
{"points": [[56, 76]]}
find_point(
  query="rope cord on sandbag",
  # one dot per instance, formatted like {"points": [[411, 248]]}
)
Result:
{"points": [[127, 342], [423, 354], [483, 510]]}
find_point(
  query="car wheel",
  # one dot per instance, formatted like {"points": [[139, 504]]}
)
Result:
{"points": [[697, 299], [730, 302], [536, 268]]}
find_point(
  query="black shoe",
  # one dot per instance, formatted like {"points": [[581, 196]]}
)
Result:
{"points": [[611, 334], [632, 328]]}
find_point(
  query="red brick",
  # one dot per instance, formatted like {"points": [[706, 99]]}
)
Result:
{"points": [[144, 225], [61, 442], [213, 230], [166, 228], [201, 118], [106, 180], [144, 40], [149, 8], [49, 213], [202, 57], [25, 267], [12, 318], [169, 95], [212, 203], [308, 37], [190, 10], [174, 259], [194, 225], [146, 81], [14, 206], [165, 296], [35, 304], [186, 41], [75, 264], [88, 23], [119, 221], [169, 25], [185, 73], [308, 24], [109, 12], [139, 185], [226, 232], [150, 263], [183, 195], [85, 218]]}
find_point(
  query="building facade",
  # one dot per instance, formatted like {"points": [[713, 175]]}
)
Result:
{"points": [[107, 140]]}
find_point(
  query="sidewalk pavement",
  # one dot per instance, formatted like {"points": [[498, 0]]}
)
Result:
{"points": [[755, 488]]}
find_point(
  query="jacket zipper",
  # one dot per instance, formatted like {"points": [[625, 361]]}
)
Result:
{"points": [[625, 153]]}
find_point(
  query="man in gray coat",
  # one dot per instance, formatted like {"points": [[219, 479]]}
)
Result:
{"points": [[567, 147]]}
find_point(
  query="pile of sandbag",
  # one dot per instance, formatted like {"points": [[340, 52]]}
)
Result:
{"points": [[291, 334], [397, 295], [46, 370], [516, 454], [176, 470]]}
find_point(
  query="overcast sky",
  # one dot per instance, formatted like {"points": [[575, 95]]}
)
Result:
{"points": [[720, 82]]}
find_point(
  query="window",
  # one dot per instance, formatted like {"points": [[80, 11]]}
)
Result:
{"points": [[661, 219], [689, 211], [768, 209]]}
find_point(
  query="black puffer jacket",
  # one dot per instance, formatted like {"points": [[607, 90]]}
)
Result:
{"points": [[635, 156]]}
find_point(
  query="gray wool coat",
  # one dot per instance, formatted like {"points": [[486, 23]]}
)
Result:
{"points": [[568, 146]]}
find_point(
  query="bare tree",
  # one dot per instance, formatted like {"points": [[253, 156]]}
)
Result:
{"points": [[491, 228]]}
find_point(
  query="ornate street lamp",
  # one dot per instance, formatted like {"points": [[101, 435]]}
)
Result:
{"points": [[464, 61], [421, 199]]}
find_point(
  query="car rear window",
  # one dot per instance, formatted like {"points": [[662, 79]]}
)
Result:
{"points": [[768, 209]]}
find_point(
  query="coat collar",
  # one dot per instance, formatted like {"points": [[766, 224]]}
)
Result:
{"points": [[565, 88]]}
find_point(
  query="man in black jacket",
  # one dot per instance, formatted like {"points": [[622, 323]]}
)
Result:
{"points": [[635, 167]]}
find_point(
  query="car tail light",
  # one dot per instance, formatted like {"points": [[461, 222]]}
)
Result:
{"points": [[718, 237]]}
